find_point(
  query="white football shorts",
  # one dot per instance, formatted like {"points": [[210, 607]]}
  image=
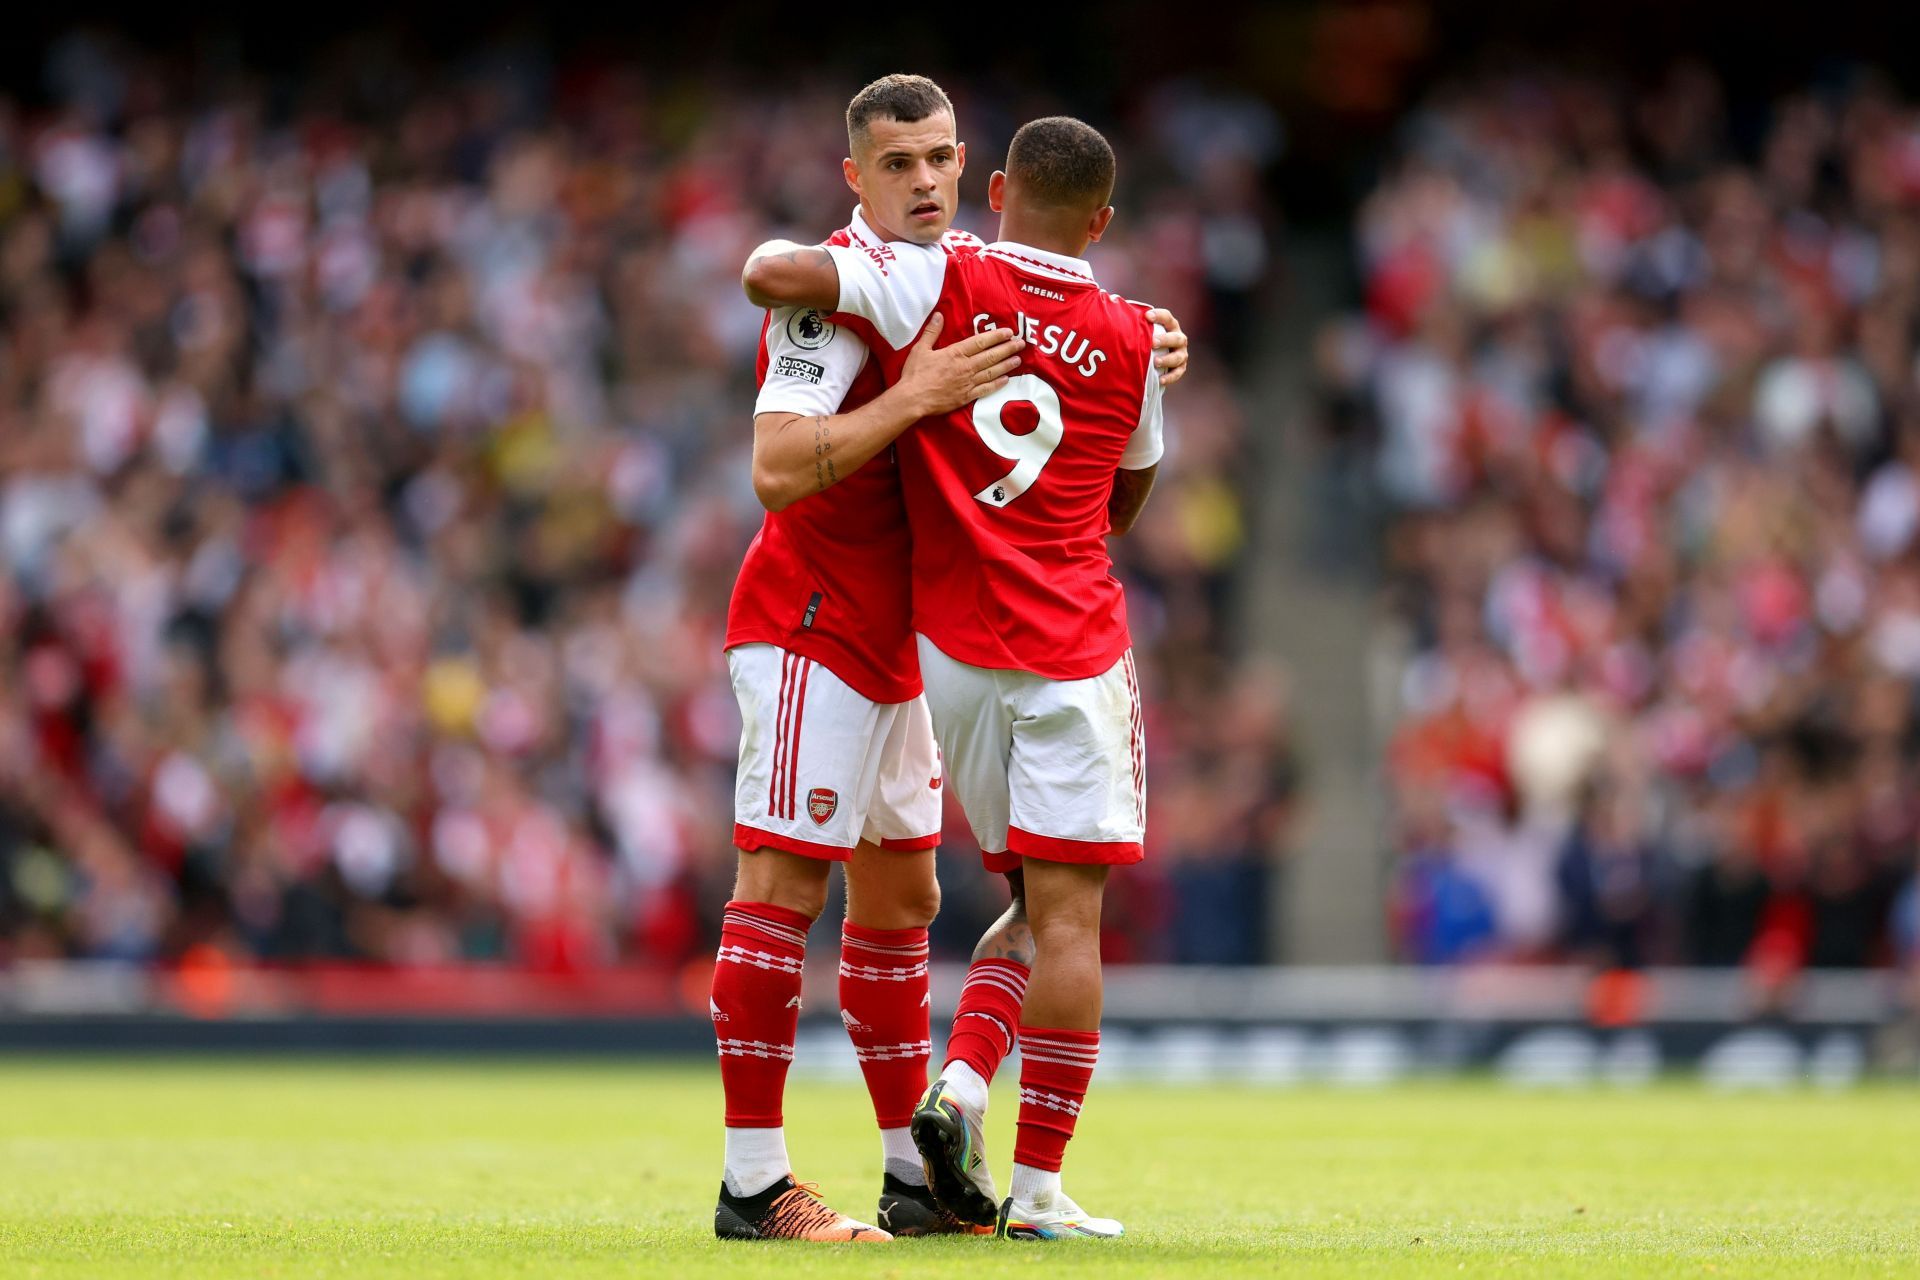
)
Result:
{"points": [[1049, 769], [821, 767]]}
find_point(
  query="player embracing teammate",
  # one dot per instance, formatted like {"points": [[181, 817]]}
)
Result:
{"points": [[1011, 484]]}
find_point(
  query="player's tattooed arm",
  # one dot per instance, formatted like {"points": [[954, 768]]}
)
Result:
{"points": [[1169, 346], [824, 476], [1129, 498], [781, 273], [796, 456]]}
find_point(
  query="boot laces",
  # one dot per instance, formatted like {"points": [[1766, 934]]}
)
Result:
{"points": [[800, 1210]]}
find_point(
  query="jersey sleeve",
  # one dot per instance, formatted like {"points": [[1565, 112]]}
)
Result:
{"points": [[811, 364], [1145, 445], [894, 287]]}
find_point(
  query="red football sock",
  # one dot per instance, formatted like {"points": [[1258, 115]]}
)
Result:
{"points": [[883, 1001], [1055, 1069], [756, 1007], [988, 1019]]}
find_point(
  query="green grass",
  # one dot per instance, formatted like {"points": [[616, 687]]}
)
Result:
{"points": [[210, 1169]]}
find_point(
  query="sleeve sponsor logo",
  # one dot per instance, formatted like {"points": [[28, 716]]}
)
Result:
{"points": [[795, 367], [809, 331]]}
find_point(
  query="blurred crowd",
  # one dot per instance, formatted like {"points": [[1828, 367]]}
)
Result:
{"points": [[373, 475], [1636, 377]]}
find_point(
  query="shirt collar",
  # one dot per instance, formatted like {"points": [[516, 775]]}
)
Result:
{"points": [[862, 229], [1078, 270]]}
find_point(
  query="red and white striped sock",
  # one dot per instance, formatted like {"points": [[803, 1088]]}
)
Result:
{"points": [[883, 1001], [1056, 1067], [755, 1003], [988, 1019]]}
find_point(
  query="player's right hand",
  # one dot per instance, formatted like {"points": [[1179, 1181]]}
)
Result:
{"points": [[944, 378]]}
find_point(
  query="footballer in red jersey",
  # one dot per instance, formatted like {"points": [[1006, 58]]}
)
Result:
{"points": [[837, 757], [1021, 625]]}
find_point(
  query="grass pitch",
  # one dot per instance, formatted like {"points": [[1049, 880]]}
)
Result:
{"points": [[210, 1169]]}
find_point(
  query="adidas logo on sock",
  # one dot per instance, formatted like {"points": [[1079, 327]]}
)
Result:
{"points": [[853, 1023], [714, 1008]]}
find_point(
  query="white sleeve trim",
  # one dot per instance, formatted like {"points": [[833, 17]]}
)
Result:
{"points": [[1146, 445], [811, 364], [893, 286]]}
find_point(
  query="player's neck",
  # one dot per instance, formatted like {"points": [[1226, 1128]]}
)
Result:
{"points": [[1037, 233], [876, 226]]}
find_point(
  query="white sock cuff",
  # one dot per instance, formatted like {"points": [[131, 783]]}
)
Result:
{"points": [[969, 1084], [900, 1157], [1033, 1187], [756, 1159]]}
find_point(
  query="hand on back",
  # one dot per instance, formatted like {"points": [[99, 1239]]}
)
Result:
{"points": [[1169, 347]]}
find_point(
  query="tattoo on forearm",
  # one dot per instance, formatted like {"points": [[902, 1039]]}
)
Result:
{"points": [[824, 474]]}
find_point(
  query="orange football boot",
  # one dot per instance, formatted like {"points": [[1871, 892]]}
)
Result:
{"points": [[787, 1210]]}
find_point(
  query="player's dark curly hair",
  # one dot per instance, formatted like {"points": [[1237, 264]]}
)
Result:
{"points": [[1063, 162], [907, 99]]}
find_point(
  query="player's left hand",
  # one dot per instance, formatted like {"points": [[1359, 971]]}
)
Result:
{"points": [[1170, 347]]}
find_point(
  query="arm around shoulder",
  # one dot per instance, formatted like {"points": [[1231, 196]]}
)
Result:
{"points": [[781, 273], [1140, 462]]}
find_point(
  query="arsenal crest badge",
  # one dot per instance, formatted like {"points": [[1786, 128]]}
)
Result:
{"points": [[821, 802]]}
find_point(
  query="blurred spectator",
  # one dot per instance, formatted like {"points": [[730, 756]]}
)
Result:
{"points": [[1607, 877], [1441, 914], [1726, 893]]}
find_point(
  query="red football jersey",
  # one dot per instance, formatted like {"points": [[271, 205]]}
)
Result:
{"points": [[1007, 497], [827, 577]]}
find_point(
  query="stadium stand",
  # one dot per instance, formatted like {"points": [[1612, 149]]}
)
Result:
{"points": [[1636, 379]]}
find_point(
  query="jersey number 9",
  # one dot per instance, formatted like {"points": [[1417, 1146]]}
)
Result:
{"points": [[1028, 453]]}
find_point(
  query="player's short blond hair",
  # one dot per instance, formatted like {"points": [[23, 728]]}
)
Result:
{"points": [[904, 98]]}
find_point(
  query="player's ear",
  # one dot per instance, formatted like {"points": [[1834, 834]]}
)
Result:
{"points": [[851, 172], [1098, 227], [997, 190], [960, 159]]}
